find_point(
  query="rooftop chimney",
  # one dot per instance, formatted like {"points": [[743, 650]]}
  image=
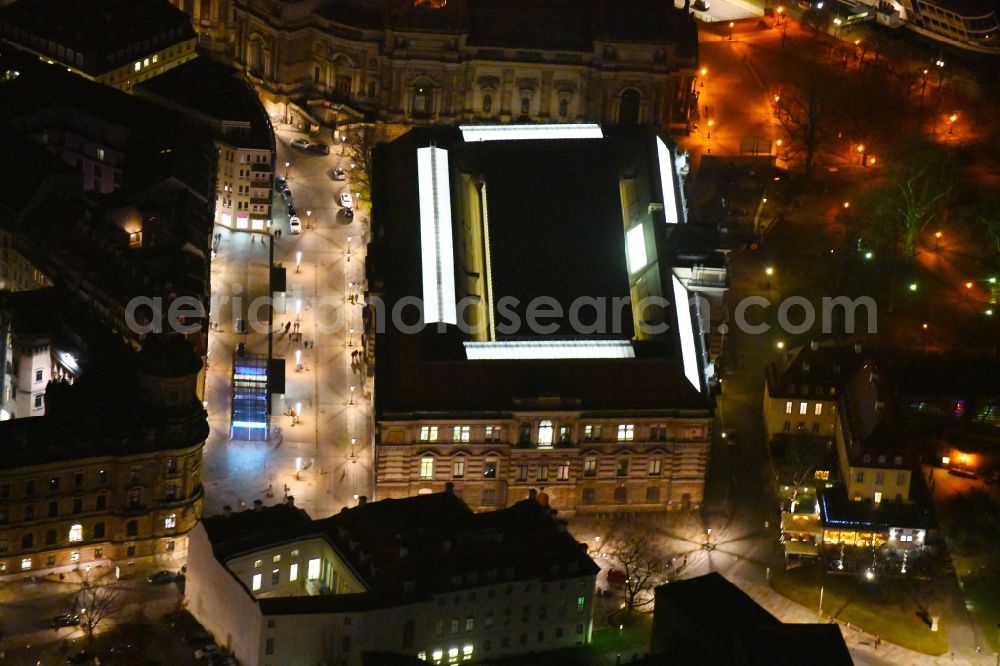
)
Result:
{"points": [[227, 511], [813, 345], [533, 494], [258, 505], [857, 347], [290, 500], [449, 488], [362, 500]]}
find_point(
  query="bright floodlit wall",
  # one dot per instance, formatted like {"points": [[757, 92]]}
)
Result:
{"points": [[436, 247], [510, 350], [531, 132], [685, 327]]}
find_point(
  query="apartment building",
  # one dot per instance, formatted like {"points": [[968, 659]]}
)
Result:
{"points": [[111, 475], [424, 576]]}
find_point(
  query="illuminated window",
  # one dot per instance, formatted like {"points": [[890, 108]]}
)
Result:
{"points": [[256, 582], [452, 655], [170, 522], [312, 573], [275, 576], [803, 407], [74, 556], [460, 434], [581, 602], [545, 434], [878, 498], [819, 409], [293, 572], [76, 533], [592, 433], [458, 468], [257, 564], [654, 467], [436, 656], [590, 466], [426, 468], [25, 564], [428, 434], [276, 559], [156, 58], [626, 432], [467, 653], [635, 245], [492, 434], [138, 66], [145, 62], [563, 473], [822, 475]]}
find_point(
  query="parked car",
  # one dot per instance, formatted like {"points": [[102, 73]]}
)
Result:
{"points": [[349, 212], [81, 657], [241, 326], [286, 194], [295, 225], [162, 577], [345, 200], [702, 5], [66, 620], [301, 144], [291, 210], [280, 183], [318, 148], [207, 651], [338, 174]]}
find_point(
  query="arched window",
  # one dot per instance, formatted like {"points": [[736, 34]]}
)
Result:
{"points": [[545, 434], [563, 107], [628, 107], [422, 101], [525, 105], [50, 538], [487, 103], [76, 533]]}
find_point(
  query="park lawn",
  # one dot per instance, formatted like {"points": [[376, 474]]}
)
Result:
{"points": [[981, 590], [632, 637], [884, 608]]}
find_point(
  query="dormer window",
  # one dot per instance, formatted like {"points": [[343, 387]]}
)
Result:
{"points": [[899, 460], [805, 367]]}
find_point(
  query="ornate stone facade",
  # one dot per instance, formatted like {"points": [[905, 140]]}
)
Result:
{"points": [[317, 61]]}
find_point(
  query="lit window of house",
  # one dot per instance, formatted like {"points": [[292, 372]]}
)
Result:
{"points": [[492, 434], [25, 563], [590, 466], [545, 434], [170, 522], [76, 533], [819, 409], [460, 434], [293, 572], [256, 582], [312, 572], [803, 407], [592, 433], [626, 432], [428, 434], [138, 66], [654, 467], [458, 468], [563, 473], [258, 563], [74, 556], [426, 468], [788, 407]]}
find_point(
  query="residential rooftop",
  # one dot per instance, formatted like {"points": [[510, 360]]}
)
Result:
{"points": [[838, 510], [409, 549], [816, 370]]}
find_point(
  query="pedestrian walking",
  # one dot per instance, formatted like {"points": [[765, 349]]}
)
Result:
{"points": [[878, 641]]}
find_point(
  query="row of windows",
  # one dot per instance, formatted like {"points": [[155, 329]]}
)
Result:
{"points": [[454, 654], [880, 477], [456, 624], [100, 478], [548, 433], [50, 561], [76, 533], [622, 467], [804, 408]]}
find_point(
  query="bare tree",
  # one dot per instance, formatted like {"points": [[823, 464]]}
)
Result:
{"points": [[920, 182], [642, 563], [96, 600], [361, 141], [807, 116]]}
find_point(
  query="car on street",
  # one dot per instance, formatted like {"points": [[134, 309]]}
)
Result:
{"points": [[162, 577], [291, 210], [301, 144], [81, 657], [345, 200], [349, 212], [318, 148], [338, 174], [207, 651], [702, 5], [221, 659], [66, 620], [295, 225], [280, 183]]}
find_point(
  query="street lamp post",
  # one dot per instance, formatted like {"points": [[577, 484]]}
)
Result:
{"points": [[731, 26], [309, 219], [298, 262], [287, 164], [923, 88], [951, 123], [710, 124], [352, 395]]}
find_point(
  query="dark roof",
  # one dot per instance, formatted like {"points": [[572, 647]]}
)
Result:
{"points": [[549, 236], [102, 31], [104, 413], [953, 376], [827, 366], [434, 542], [720, 616], [215, 91], [837, 510]]}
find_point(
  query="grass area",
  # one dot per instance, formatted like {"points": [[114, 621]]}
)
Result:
{"points": [[982, 594], [633, 636], [887, 608]]}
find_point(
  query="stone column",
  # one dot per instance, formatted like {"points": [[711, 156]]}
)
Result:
{"points": [[545, 95]]}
